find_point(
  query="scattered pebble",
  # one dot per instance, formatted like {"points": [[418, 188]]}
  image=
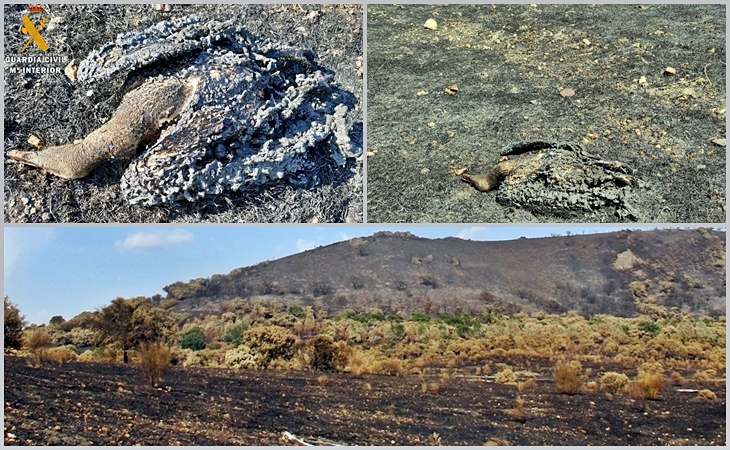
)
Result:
{"points": [[719, 141], [35, 141], [71, 69], [425, 170], [431, 24], [452, 90], [460, 172], [421, 93], [431, 124], [670, 71], [566, 92]]}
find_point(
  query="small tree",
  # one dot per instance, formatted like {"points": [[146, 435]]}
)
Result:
{"points": [[56, 320], [129, 323], [194, 339], [324, 353], [14, 323]]}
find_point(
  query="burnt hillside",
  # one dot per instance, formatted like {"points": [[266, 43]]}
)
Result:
{"points": [[620, 273]]}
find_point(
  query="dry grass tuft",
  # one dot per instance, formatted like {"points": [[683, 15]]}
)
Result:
{"points": [[322, 380], [527, 385], [154, 360], [37, 341], [519, 412], [567, 376], [677, 378], [648, 386], [706, 394]]}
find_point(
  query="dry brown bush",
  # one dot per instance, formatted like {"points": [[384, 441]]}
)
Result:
{"points": [[567, 376], [505, 376], [527, 385], [37, 341], [392, 367], [706, 394], [322, 380], [648, 386], [519, 412], [677, 378], [59, 355], [707, 376], [154, 360], [614, 382]]}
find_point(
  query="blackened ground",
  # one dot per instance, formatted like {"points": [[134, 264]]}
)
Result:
{"points": [[509, 62], [59, 111], [107, 404]]}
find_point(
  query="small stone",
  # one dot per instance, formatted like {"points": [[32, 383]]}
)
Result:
{"points": [[670, 71], [425, 170], [460, 172], [35, 141], [719, 141], [71, 69], [701, 166], [567, 92], [89, 93], [452, 90], [421, 93], [642, 80], [431, 24], [431, 124], [586, 42]]}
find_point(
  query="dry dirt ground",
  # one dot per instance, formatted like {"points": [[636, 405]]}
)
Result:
{"points": [[59, 111], [106, 404], [509, 63]]}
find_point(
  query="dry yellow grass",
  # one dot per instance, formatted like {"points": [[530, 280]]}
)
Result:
{"points": [[706, 394], [567, 376], [154, 360], [648, 386], [322, 380]]}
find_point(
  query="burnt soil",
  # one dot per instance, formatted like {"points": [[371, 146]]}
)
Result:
{"points": [[107, 404], [509, 62], [58, 111]]}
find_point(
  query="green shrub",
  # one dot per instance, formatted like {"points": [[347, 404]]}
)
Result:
{"points": [[235, 335], [14, 323], [194, 339], [270, 342]]}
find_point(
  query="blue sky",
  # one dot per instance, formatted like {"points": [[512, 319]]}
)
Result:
{"points": [[67, 270]]}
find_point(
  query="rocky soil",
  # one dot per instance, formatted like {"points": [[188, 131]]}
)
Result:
{"points": [[639, 84], [107, 404]]}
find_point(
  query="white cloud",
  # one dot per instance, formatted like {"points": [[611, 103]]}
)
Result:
{"points": [[145, 240], [304, 245], [475, 233]]}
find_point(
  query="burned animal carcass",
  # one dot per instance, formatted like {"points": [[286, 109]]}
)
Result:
{"points": [[558, 178], [214, 110]]}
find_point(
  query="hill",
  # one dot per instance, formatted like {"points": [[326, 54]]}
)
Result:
{"points": [[621, 273]]}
